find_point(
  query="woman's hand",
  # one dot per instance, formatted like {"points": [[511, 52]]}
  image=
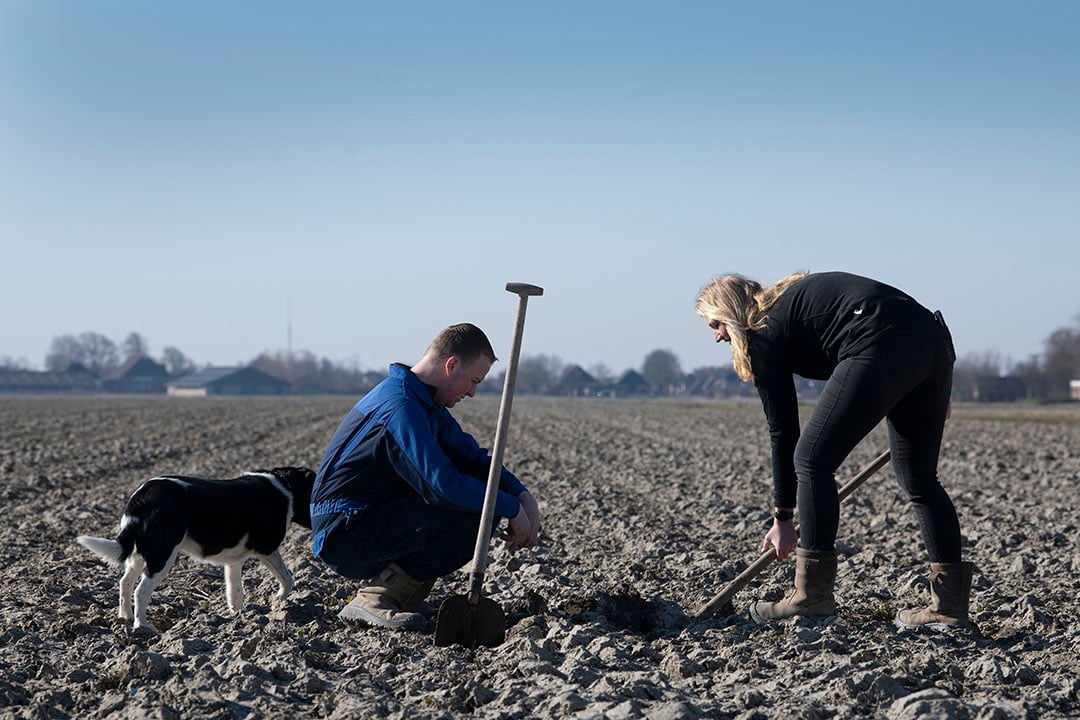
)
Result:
{"points": [[782, 537]]}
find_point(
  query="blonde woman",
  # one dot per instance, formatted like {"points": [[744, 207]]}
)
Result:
{"points": [[883, 355]]}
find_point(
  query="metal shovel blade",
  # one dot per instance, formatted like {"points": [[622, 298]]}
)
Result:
{"points": [[462, 623]]}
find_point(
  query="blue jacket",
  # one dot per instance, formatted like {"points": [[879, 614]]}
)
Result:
{"points": [[396, 442]]}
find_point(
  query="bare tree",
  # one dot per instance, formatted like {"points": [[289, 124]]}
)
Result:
{"points": [[1062, 361], [63, 350], [99, 354], [661, 368], [1031, 372], [602, 373], [1062, 356], [134, 345], [9, 363], [93, 350], [176, 362], [309, 374], [538, 373], [973, 368]]}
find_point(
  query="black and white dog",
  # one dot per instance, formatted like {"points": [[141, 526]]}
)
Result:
{"points": [[223, 522]]}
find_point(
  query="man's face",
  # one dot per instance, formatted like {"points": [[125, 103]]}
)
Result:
{"points": [[461, 379]]}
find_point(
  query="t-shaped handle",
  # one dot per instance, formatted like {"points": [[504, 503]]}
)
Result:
{"points": [[524, 289]]}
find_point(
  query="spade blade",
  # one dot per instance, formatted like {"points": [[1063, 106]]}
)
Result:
{"points": [[462, 623]]}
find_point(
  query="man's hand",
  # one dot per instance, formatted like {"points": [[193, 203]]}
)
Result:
{"points": [[523, 530]]}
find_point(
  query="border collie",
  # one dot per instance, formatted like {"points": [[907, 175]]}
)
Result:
{"points": [[223, 522]]}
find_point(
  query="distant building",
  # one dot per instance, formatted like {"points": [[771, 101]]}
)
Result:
{"points": [[139, 374], [632, 383], [714, 382], [75, 379], [227, 381], [1004, 388], [1074, 389], [576, 382]]}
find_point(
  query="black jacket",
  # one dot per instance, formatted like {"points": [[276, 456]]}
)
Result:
{"points": [[819, 321]]}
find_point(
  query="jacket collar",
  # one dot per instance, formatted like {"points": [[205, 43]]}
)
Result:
{"points": [[424, 393]]}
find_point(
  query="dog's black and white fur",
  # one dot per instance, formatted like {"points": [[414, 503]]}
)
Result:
{"points": [[223, 522]]}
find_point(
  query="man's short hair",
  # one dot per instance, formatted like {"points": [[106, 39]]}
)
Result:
{"points": [[463, 340]]}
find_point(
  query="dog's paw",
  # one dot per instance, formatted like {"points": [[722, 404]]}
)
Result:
{"points": [[144, 628]]}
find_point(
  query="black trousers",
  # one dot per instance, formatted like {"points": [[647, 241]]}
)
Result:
{"points": [[907, 380]]}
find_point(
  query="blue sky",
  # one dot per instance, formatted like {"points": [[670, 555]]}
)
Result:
{"points": [[191, 170]]}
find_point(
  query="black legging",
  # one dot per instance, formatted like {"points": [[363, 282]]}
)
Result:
{"points": [[907, 379]]}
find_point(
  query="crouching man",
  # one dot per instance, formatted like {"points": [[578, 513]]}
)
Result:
{"points": [[400, 489]]}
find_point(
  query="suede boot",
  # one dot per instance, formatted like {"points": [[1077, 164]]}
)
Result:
{"points": [[381, 603], [815, 575], [416, 602], [950, 588]]}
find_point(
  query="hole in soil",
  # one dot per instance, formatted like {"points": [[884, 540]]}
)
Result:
{"points": [[623, 608], [533, 604], [628, 611]]}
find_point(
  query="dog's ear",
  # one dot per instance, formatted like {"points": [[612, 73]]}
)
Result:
{"points": [[290, 473]]}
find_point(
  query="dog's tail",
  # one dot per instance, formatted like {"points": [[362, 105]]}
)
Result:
{"points": [[115, 551], [110, 551]]}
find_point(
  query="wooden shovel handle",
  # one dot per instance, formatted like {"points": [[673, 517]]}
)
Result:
{"points": [[483, 538], [767, 557]]}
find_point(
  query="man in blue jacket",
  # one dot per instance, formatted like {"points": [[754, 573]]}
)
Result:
{"points": [[401, 486]]}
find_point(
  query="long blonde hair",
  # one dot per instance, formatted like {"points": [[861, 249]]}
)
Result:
{"points": [[742, 305]]}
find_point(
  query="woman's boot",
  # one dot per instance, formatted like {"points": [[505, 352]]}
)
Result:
{"points": [[950, 588], [815, 575]]}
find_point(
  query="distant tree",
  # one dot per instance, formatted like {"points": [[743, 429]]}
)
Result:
{"points": [[271, 365], [1061, 361], [99, 354], [538, 373], [661, 368], [134, 345], [176, 362], [311, 375], [1062, 356], [94, 351], [9, 363], [602, 373], [1031, 372], [63, 350], [968, 370]]}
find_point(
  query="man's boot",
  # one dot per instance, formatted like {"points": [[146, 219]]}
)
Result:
{"points": [[950, 588], [416, 602], [381, 603], [815, 575]]}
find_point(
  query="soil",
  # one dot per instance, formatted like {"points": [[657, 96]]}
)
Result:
{"points": [[650, 508]]}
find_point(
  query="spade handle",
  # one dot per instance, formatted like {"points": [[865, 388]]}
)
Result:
{"points": [[766, 558], [483, 538]]}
